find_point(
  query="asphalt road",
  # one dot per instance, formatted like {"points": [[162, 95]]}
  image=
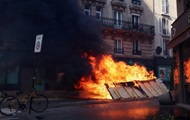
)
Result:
{"points": [[149, 109]]}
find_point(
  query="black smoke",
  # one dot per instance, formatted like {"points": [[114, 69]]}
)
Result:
{"points": [[68, 34]]}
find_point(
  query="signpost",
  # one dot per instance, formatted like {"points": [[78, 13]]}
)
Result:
{"points": [[37, 49], [38, 43]]}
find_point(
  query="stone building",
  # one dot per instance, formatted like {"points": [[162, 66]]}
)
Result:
{"points": [[137, 31]]}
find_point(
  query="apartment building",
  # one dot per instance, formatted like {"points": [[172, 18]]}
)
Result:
{"points": [[180, 44], [137, 31], [165, 14]]}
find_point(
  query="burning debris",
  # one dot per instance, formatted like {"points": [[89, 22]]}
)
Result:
{"points": [[141, 89], [116, 80]]}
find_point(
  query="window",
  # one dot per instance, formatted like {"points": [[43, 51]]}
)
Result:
{"points": [[163, 26], [164, 73], [2, 78], [12, 75], [136, 47], [98, 13], [118, 18], [165, 7], [118, 48], [9, 76], [137, 2], [165, 51], [87, 10], [135, 21]]}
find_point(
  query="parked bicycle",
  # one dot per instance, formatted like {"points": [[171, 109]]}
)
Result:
{"points": [[3, 94], [10, 105]]}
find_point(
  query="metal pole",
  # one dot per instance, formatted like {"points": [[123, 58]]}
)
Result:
{"points": [[34, 74], [33, 80]]}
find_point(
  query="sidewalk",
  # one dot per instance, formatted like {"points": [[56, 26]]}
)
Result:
{"points": [[56, 101], [186, 106]]}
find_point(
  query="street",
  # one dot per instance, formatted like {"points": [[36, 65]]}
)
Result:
{"points": [[105, 110]]}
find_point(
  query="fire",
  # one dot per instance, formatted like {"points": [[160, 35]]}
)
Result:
{"points": [[107, 71], [176, 75], [187, 70]]}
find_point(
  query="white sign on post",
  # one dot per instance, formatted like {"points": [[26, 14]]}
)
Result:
{"points": [[38, 43]]}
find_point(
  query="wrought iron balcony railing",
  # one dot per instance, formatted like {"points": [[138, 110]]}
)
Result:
{"points": [[118, 50], [126, 25], [137, 52]]}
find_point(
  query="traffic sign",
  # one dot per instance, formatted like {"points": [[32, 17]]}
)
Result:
{"points": [[38, 43]]}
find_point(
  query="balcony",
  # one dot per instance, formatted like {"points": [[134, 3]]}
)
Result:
{"points": [[118, 51], [137, 52], [126, 25]]}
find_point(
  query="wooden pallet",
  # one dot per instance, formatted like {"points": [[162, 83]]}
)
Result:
{"points": [[128, 90]]}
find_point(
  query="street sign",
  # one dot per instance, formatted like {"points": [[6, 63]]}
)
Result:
{"points": [[38, 43]]}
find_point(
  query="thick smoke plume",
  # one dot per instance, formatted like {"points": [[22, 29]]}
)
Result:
{"points": [[68, 34]]}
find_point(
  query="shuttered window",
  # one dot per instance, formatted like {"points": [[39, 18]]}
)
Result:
{"points": [[98, 13], [165, 6], [136, 47], [135, 21], [164, 26], [118, 18], [118, 48], [87, 10]]}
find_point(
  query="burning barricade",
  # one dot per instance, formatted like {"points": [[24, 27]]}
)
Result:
{"points": [[117, 80], [137, 89]]}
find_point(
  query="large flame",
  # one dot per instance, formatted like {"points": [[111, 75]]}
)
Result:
{"points": [[107, 71], [187, 70]]}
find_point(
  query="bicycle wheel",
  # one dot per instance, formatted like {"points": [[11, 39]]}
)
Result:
{"points": [[39, 103], [9, 105]]}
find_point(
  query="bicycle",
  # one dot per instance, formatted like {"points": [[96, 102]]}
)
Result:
{"points": [[3, 94], [10, 105]]}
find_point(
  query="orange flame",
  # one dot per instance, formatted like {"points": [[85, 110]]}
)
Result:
{"points": [[187, 70], [176, 75], [107, 71]]}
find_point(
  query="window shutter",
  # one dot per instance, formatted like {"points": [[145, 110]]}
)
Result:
{"points": [[139, 45], [160, 25], [167, 6], [115, 21], [98, 13], [87, 10], [120, 44], [167, 26], [121, 17], [163, 6], [161, 44]]}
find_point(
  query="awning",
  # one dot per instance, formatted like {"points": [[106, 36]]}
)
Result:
{"points": [[179, 39]]}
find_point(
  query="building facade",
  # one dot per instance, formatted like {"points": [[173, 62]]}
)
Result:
{"points": [[180, 43], [137, 31], [165, 14]]}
